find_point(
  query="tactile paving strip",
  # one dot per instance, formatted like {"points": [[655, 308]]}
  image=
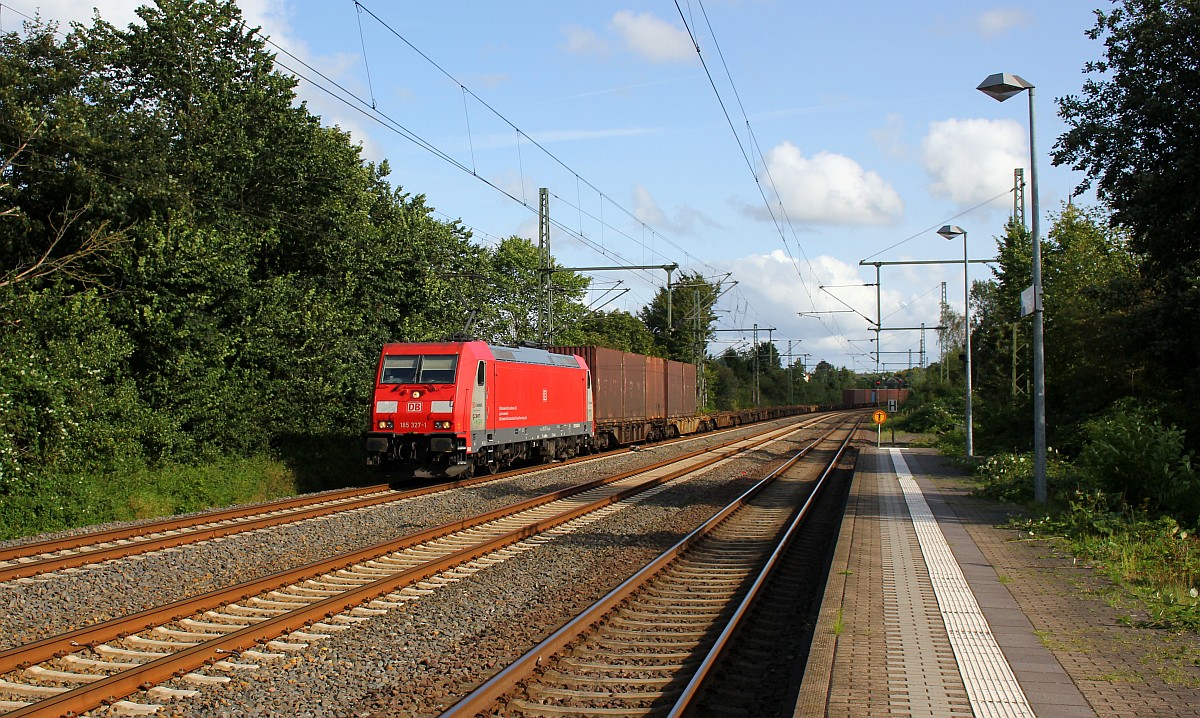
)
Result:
{"points": [[991, 685], [923, 679]]}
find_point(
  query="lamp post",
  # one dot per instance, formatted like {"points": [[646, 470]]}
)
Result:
{"points": [[950, 231], [1002, 86]]}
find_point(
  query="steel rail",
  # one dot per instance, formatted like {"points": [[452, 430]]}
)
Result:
{"points": [[115, 628], [71, 543], [128, 681], [705, 669], [508, 678], [323, 505], [200, 528]]}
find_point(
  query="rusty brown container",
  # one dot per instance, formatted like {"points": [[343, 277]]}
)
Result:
{"points": [[856, 397], [656, 387], [873, 397], [681, 389], [636, 383], [618, 381]]}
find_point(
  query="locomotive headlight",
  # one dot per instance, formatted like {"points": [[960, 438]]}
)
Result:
{"points": [[386, 424], [416, 394], [443, 425]]}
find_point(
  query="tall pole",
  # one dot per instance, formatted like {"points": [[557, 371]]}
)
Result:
{"points": [[545, 316], [943, 370], [1001, 86], [967, 332], [1039, 375], [670, 320], [950, 231], [878, 319], [790, 385], [756, 349]]}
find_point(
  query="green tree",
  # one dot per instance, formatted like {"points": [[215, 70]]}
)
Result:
{"points": [[691, 303], [263, 262], [1133, 132], [1090, 295], [617, 330], [511, 296]]}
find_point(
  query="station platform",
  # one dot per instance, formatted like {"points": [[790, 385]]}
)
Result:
{"points": [[931, 609]]}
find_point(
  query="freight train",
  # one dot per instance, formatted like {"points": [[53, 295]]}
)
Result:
{"points": [[873, 397], [465, 407]]}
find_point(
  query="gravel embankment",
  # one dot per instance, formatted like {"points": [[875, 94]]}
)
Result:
{"points": [[62, 602], [418, 659]]}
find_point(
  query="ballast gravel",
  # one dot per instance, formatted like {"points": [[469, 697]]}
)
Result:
{"points": [[418, 658]]}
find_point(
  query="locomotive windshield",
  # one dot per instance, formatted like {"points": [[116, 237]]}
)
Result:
{"points": [[419, 369]]}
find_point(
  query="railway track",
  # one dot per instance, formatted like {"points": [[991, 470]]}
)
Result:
{"points": [[24, 562], [206, 638], [650, 645]]}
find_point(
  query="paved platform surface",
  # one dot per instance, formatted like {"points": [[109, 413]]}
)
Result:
{"points": [[934, 609]]}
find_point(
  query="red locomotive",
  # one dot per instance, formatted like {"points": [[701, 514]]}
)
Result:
{"points": [[452, 408], [448, 408]]}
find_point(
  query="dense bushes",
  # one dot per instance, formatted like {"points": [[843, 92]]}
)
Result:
{"points": [[1129, 457], [1133, 457], [194, 272]]}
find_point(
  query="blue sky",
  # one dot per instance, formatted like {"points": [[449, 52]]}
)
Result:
{"points": [[854, 131]]}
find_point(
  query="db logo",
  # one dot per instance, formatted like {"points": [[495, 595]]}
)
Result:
{"points": [[414, 406]]}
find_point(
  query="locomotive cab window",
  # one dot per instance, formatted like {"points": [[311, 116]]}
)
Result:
{"points": [[419, 369], [399, 370], [438, 369], [480, 374]]}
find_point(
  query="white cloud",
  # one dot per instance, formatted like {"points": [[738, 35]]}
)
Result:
{"points": [[890, 137], [116, 12], [770, 283], [652, 38], [971, 161], [993, 23], [645, 208], [583, 41], [685, 220], [830, 189]]}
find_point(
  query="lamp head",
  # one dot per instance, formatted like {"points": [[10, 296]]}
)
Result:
{"points": [[950, 231], [1002, 85]]}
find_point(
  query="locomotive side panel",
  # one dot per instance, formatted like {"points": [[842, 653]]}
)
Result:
{"points": [[528, 400], [448, 408]]}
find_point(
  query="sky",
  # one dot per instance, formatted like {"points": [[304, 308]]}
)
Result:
{"points": [[802, 139]]}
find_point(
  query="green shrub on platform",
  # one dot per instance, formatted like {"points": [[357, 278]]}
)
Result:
{"points": [[1009, 476], [1132, 456]]}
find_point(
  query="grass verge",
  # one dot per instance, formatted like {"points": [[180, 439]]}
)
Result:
{"points": [[67, 500]]}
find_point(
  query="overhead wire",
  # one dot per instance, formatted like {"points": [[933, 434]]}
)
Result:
{"points": [[766, 167], [838, 336], [580, 180], [370, 109], [929, 229]]}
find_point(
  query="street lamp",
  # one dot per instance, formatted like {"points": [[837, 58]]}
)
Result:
{"points": [[950, 231], [1002, 86]]}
